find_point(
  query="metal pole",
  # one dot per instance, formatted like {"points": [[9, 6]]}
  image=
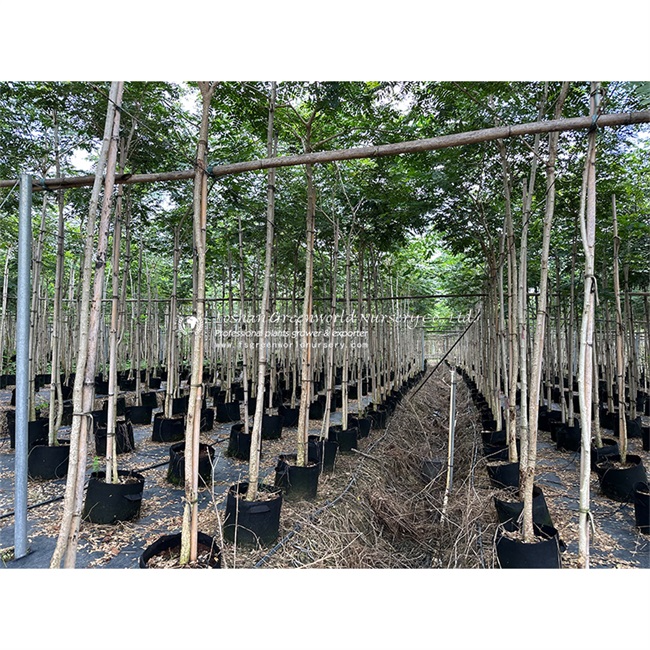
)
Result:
{"points": [[22, 365]]}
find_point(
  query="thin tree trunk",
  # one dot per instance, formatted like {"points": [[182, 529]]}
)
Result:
{"points": [[172, 334], [306, 378], [621, 361], [3, 319], [66, 547], [513, 348], [540, 329], [585, 369], [37, 264], [265, 312], [331, 358], [242, 337], [189, 534], [56, 393]]}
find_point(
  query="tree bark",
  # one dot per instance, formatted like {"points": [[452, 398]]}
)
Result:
{"points": [[540, 327], [265, 312], [83, 394], [189, 534], [585, 369]]}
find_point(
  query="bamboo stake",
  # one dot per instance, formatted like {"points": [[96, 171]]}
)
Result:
{"points": [[451, 441], [356, 153]]}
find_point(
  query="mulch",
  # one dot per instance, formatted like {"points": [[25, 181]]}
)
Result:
{"points": [[377, 509]]}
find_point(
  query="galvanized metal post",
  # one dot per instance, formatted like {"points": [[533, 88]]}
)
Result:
{"points": [[22, 365]]}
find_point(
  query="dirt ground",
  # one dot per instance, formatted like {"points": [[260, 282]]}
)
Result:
{"points": [[375, 510]]}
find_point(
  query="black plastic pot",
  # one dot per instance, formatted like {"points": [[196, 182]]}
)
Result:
{"points": [[503, 475], [139, 414], [176, 467], [66, 419], [289, 416], [316, 410], [239, 443], [543, 554], [37, 432], [362, 425], [633, 427], [379, 417], [228, 412], [100, 419], [494, 452], [127, 385], [297, 482], [271, 427], [207, 419], [569, 438], [120, 406], [494, 437], [149, 399], [252, 522], [645, 437], [48, 462], [155, 382], [545, 419], [489, 424], [171, 544], [599, 454], [608, 420], [107, 503], [347, 438], [432, 468], [322, 452], [167, 429], [642, 507], [7, 380], [179, 405], [554, 425], [508, 512], [124, 441], [618, 482]]}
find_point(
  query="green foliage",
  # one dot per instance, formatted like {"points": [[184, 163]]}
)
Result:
{"points": [[432, 220]]}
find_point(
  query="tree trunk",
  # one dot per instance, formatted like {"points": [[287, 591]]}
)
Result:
{"points": [[513, 348], [621, 360], [331, 357], [56, 397], [189, 535], [585, 369], [265, 312], [83, 394], [306, 378], [3, 318], [172, 333], [540, 330]]}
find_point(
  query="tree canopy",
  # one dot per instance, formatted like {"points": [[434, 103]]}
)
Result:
{"points": [[432, 220]]}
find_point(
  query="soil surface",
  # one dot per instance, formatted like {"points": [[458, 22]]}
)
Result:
{"points": [[377, 509]]}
